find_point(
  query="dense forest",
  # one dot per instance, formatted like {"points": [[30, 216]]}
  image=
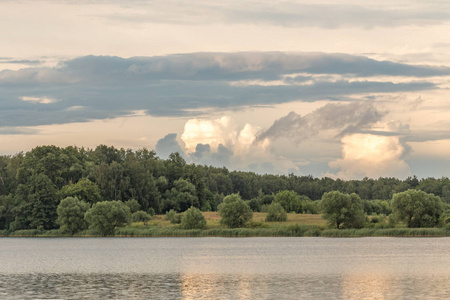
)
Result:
{"points": [[33, 184]]}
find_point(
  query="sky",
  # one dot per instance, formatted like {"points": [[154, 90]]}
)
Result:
{"points": [[343, 89]]}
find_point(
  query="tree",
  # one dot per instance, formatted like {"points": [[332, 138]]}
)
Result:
{"points": [[193, 219], [105, 216], [84, 190], [417, 208], [141, 216], [234, 211], [133, 205], [71, 213], [37, 204], [182, 196], [289, 200], [342, 210], [276, 213]]}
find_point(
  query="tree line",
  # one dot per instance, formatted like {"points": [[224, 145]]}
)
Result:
{"points": [[33, 185]]}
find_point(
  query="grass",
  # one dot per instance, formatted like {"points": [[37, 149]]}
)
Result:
{"points": [[296, 225]]}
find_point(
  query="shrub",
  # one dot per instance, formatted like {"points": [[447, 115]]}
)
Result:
{"points": [[276, 213], [193, 219], [234, 211], [71, 215], [173, 217], [141, 216], [105, 216]]}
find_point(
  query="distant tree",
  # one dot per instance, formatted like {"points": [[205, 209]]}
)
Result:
{"points": [[6, 214], [234, 211], [289, 200], [133, 205], [276, 213], [193, 219], [417, 208], [71, 213], [173, 217], [342, 210], [105, 216], [84, 190], [182, 196], [37, 203], [141, 216]]}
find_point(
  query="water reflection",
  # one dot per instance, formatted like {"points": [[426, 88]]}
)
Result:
{"points": [[214, 286], [213, 268]]}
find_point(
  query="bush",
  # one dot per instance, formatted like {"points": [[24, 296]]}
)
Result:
{"points": [[193, 219], [141, 216], [276, 213], [234, 211], [71, 213], [173, 217], [151, 211], [105, 216]]}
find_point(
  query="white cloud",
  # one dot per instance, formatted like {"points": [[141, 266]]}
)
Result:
{"points": [[372, 156], [40, 100]]}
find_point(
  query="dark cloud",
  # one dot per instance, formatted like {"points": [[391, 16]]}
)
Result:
{"points": [[167, 145], [7, 60], [345, 118], [204, 155], [17, 131], [176, 85]]}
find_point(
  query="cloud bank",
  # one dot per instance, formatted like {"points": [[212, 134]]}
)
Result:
{"points": [[187, 84]]}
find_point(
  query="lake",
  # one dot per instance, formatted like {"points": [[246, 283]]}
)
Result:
{"points": [[225, 268]]}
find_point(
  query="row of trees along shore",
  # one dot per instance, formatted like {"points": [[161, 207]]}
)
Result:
{"points": [[102, 188]]}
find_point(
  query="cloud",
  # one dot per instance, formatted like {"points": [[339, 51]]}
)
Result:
{"points": [[287, 13], [167, 145], [18, 131], [187, 84], [372, 156], [344, 119], [40, 100]]}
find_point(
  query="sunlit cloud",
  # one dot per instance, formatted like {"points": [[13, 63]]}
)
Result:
{"points": [[40, 100]]}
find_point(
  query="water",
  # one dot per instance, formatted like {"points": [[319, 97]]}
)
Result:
{"points": [[224, 268]]}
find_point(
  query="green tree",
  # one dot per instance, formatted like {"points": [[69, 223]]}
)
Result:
{"points": [[105, 216], [37, 203], [289, 200], [234, 211], [182, 196], [417, 208], [71, 213], [342, 210], [193, 219], [141, 216], [276, 213], [134, 205], [84, 190]]}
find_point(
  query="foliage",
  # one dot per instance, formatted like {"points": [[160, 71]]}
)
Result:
{"points": [[193, 219], [133, 205], [342, 210], [276, 213], [289, 200], [37, 204], [417, 208], [141, 216], [105, 216], [71, 213], [234, 211], [84, 190], [173, 217]]}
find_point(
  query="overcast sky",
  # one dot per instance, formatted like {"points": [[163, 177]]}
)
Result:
{"points": [[342, 89]]}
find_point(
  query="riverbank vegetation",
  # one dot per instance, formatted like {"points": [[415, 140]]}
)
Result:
{"points": [[52, 191]]}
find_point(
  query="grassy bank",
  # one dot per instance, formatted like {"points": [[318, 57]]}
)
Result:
{"points": [[297, 225]]}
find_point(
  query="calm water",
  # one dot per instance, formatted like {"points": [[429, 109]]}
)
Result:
{"points": [[224, 268]]}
